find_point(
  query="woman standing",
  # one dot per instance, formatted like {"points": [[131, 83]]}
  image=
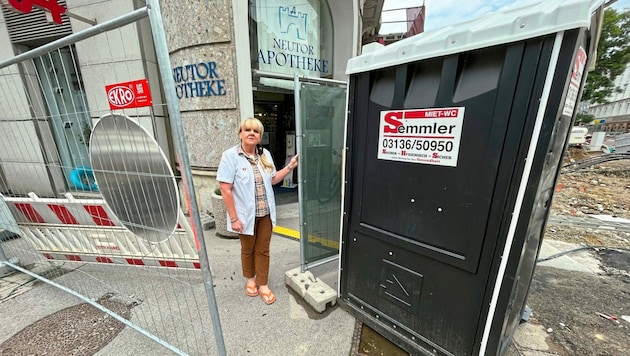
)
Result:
{"points": [[246, 175]]}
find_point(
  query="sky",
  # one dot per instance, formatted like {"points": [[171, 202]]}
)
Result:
{"points": [[442, 13]]}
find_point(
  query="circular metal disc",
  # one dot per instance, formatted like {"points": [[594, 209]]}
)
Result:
{"points": [[134, 177]]}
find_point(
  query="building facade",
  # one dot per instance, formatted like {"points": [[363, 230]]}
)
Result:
{"points": [[224, 57], [616, 112]]}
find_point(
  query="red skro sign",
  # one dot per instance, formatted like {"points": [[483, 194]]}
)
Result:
{"points": [[26, 6], [128, 95]]}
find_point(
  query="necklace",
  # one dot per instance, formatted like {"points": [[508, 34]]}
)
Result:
{"points": [[253, 159], [247, 153]]}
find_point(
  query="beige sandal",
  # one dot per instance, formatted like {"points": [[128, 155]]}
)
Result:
{"points": [[268, 298], [251, 290]]}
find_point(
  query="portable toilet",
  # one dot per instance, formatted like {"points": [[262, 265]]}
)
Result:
{"points": [[453, 147]]}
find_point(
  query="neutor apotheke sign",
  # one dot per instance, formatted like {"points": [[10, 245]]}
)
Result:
{"points": [[198, 80], [288, 37], [294, 55]]}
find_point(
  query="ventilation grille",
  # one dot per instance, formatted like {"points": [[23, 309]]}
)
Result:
{"points": [[34, 28]]}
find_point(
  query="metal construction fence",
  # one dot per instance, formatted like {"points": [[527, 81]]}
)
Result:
{"points": [[321, 123], [622, 143], [126, 237]]}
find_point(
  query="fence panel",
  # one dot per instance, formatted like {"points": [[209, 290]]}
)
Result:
{"points": [[52, 97], [622, 143], [322, 122]]}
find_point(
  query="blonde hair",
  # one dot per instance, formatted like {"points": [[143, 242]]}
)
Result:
{"points": [[253, 123]]}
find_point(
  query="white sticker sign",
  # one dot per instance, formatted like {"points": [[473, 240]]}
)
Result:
{"points": [[426, 136], [574, 84]]}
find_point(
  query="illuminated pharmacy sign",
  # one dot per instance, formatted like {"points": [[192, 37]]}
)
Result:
{"points": [[288, 37], [292, 55]]}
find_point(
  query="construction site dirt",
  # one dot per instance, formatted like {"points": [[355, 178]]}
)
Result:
{"points": [[587, 313]]}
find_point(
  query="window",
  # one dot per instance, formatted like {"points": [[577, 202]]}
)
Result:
{"points": [[66, 105]]}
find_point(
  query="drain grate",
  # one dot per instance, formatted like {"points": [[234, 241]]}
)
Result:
{"points": [[367, 342], [78, 330]]}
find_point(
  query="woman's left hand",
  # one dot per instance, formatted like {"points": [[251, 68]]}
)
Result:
{"points": [[293, 163]]}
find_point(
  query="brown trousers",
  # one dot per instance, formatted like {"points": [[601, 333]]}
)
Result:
{"points": [[255, 251]]}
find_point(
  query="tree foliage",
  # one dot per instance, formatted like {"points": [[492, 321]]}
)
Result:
{"points": [[613, 54], [584, 119]]}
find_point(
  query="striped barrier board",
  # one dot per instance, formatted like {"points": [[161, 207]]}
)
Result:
{"points": [[86, 230], [133, 261]]}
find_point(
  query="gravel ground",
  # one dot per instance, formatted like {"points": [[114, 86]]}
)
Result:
{"points": [[601, 189], [566, 303]]}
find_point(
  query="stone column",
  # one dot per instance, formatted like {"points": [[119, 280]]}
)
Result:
{"points": [[206, 54]]}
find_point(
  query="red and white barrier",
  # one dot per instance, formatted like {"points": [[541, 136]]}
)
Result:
{"points": [[86, 230], [187, 264], [35, 210]]}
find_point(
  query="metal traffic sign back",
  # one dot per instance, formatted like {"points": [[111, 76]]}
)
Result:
{"points": [[134, 177]]}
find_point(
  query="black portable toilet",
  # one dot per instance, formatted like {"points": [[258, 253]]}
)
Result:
{"points": [[454, 143]]}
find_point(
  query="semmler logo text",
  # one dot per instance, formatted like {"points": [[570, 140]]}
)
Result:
{"points": [[425, 136]]}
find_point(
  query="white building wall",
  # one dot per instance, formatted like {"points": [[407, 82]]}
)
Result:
{"points": [[344, 46], [115, 56], [617, 110]]}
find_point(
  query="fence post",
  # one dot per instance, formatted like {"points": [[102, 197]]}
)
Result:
{"points": [[5, 214], [164, 65], [6, 270]]}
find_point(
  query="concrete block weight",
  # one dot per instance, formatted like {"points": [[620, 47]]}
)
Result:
{"points": [[207, 221], [315, 292]]}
